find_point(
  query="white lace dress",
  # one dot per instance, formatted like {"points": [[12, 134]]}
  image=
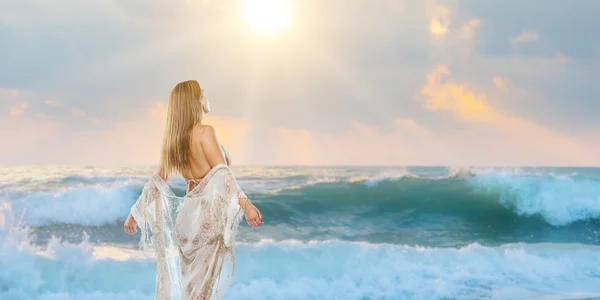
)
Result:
{"points": [[191, 237]]}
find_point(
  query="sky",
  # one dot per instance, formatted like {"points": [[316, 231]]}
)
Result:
{"points": [[341, 82]]}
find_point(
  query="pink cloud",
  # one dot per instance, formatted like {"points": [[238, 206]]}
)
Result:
{"points": [[19, 109]]}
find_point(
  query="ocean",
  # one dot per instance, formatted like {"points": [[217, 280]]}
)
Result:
{"points": [[328, 233]]}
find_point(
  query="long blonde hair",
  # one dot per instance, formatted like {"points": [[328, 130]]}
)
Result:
{"points": [[185, 110]]}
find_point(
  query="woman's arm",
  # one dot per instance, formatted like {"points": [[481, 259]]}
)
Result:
{"points": [[209, 142]]}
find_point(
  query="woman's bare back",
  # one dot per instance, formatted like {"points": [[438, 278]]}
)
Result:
{"points": [[205, 153]]}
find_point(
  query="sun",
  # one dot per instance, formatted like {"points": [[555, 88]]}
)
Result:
{"points": [[267, 16]]}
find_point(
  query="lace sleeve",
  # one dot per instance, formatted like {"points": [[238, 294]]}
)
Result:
{"points": [[143, 209], [152, 215], [234, 213]]}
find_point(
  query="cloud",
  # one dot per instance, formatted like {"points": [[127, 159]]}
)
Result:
{"points": [[467, 30], [499, 82], [82, 114], [493, 129], [458, 99], [19, 109], [526, 36], [7, 92], [436, 28], [439, 19], [78, 112], [52, 102], [43, 116]]}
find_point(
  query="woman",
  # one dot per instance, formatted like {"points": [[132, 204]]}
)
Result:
{"points": [[192, 236]]}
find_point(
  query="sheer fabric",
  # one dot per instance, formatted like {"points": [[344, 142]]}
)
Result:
{"points": [[191, 237]]}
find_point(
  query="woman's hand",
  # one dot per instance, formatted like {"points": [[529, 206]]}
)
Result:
{"points": [[130, 225], [253, 216]]}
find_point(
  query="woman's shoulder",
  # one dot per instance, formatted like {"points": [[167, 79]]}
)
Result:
{"points": [[203, 128], [204, 131]]}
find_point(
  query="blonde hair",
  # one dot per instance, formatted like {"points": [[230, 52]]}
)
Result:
{"points": [[185, 110]]}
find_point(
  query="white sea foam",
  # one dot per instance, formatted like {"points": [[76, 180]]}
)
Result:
{"points": [[91, 205], [560, 200]]}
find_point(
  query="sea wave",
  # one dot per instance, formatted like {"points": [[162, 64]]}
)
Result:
{"points": [[557, 200], [88, 206], [346, 270], [307, 270], [560, 200]]}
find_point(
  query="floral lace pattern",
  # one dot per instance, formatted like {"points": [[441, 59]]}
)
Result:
{"points": [[194, 236]]}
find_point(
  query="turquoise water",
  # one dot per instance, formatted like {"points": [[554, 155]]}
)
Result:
{"points": [[329, 233]]}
